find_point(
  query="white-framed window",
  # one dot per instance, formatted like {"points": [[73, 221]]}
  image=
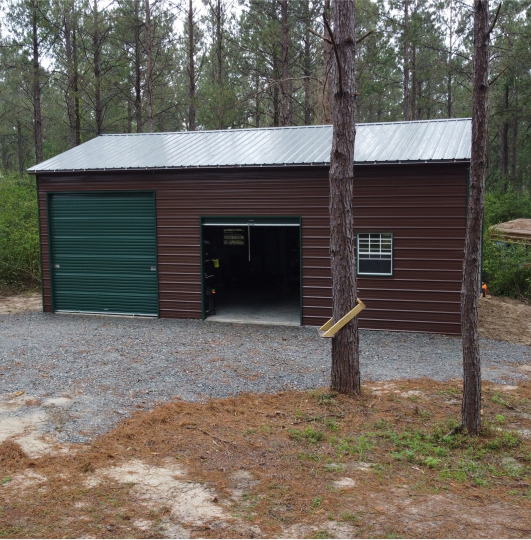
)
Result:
{"points": [[375, 254]]}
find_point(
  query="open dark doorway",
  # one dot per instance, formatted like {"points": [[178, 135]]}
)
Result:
{"points": [[252, 271]]}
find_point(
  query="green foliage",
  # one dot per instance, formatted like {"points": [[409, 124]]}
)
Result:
{"points": [[19, 232], [506, 265], [501, 207], [352, 445], [308, 434]]}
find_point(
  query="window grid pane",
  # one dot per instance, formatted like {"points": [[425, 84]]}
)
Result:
{"points": [[375, 252]]}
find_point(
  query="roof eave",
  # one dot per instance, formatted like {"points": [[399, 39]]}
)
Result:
{"points": [[249, 166]]}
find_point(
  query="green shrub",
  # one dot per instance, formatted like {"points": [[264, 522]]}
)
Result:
{"points": [[506, 266], [502, 207], [19, 232]]}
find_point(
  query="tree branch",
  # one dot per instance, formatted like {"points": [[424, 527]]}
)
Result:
{"points": [[495, 19], [497, 76], [324, 38], [334, 46], [359, 40]]}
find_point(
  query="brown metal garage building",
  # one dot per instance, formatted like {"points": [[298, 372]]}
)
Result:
{"points": [[149, 224]]}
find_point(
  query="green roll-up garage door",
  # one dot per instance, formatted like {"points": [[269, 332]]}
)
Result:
{"points": [[103, 249]]}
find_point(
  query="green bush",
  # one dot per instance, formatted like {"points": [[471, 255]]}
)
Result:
{"points": [[19, 232], [502, 207], [506, 266]]}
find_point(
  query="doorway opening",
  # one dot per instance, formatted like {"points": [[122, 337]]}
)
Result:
{"points": [[252, 270]]}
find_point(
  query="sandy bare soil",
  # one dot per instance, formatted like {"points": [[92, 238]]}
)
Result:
{"points": [[10, 305], [290, 465], [505, 319]]}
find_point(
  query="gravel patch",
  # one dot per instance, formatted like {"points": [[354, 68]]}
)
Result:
{"points": [[110, 367]]}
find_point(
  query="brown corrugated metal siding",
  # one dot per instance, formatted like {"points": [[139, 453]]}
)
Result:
{"points": [[423, 205]]}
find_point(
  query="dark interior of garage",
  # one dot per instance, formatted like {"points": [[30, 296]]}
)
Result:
{"points": [[252, 273]]}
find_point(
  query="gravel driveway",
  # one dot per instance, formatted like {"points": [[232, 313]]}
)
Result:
{"points": [[110, 367]]}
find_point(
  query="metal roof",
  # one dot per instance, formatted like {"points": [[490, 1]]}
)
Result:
{"points": [[385, 142]]}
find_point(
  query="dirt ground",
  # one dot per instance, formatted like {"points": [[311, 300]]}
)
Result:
{"points": [[314, 464], [20, 303], [500, 318], [505, 319], [295, 464]]}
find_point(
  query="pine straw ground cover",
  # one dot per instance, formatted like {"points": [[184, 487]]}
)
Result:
{"points": [[296, 464]]}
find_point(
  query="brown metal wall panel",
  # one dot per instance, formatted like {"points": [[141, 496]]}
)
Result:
{"points": [[423, 205]]}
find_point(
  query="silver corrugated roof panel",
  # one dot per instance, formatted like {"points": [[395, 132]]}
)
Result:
{"points": [[388, 142]]}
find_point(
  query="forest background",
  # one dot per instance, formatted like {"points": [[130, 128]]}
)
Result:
{"points": [[71, 70]]}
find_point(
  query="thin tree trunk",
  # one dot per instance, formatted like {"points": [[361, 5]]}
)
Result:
{"points": [[449, 63], [276, 111], [513, 150], [471, 408], [414, 83], [219, 44], [218, 15], [97, 71], [129, 116], [149, 74], [37, 113], [505, 137], [75, 89], [419, 99], [70, 76], [345, 372], [257, 101], [406, 60], [191, 68], [286, 114], [138, 70], [307, 67], [20, 149], [327, 73]]}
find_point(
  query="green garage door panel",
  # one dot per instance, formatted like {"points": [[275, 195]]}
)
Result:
{"points": [[104, 253]]}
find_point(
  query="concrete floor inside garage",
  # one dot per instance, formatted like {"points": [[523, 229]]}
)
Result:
{"points": [[256, 307], [252, 275]]}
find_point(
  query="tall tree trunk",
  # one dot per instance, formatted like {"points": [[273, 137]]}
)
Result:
{"points": [[307, 65], [505, 138], [406, 60], [218, 17], [75, 88], [149, 74], [37, 113], [286, 113], [449, 62], [138, 69], [514, 146], [96, 44], [70, 76], [257, 114], [413, 83], [161, 118], [471, 408], [327, 73], [219, 44], [345, 372], [419, 99], [191, 68], [20, 148], [129, 128], [276, 107]]}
